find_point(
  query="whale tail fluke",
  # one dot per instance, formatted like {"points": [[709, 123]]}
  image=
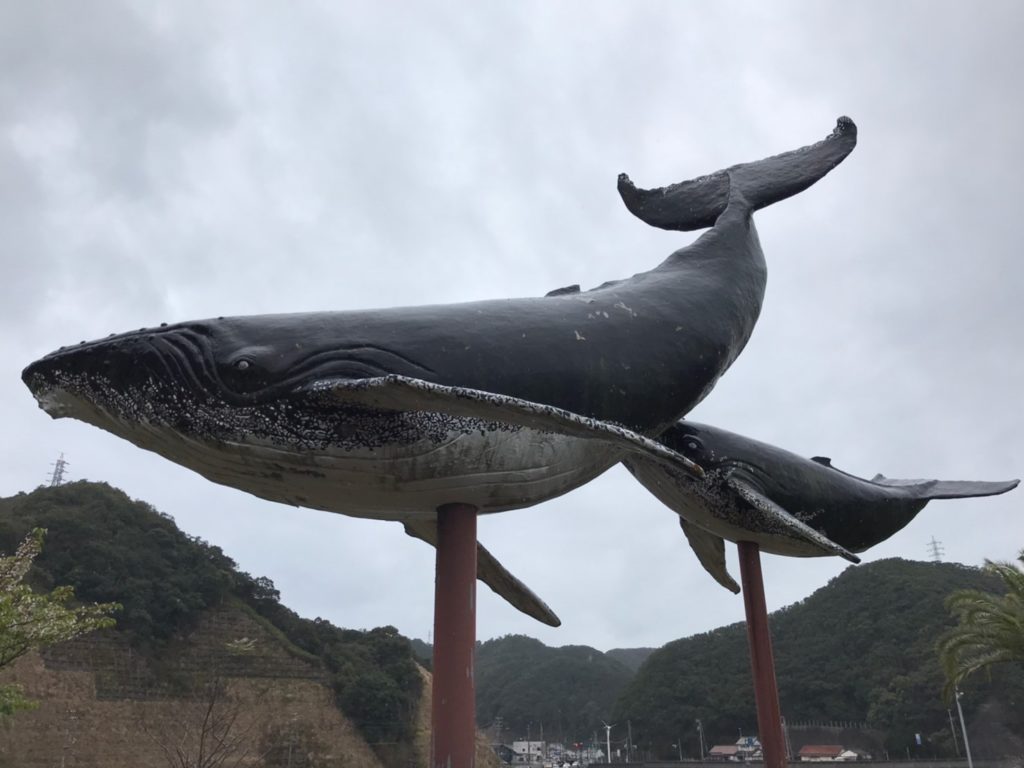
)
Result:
{"points": [[697, 204], [948, 489]]}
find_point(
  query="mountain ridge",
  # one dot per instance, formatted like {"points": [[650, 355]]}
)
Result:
{"points": [[860, 649]]}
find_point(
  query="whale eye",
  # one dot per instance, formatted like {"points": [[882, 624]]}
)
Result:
{"points": [[693, 444], [242, 365]]}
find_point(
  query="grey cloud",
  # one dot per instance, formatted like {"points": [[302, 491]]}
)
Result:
{"points": [[162, 163]]}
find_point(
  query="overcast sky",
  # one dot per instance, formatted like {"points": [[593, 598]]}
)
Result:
{"points": [[165, 162]]}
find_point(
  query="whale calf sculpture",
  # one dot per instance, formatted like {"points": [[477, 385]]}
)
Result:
{"points": [[788, 505], [391, 413]]}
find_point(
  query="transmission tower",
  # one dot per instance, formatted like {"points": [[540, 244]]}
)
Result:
{"points": [[57, 478], [935, 550]]}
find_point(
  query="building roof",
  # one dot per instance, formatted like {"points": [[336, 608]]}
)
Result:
{"points": [[821, 750], [727, 750]]}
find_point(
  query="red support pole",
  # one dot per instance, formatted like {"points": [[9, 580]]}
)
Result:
{"points": [[766, 691], [453, 708]]}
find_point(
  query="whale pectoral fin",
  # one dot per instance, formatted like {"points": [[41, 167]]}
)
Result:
{"points": [[791, 524], [947, 489], [402, 393], [710, 551], [494, 575]]}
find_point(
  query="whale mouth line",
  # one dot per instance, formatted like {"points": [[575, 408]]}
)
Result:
{"points": [[183, 360], [186, 361], [187, 358], [357, 354]]}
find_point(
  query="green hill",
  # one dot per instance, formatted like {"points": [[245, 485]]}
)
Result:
{"points": [[631, 658], [423, 651], [861, 650], [111, 548], [566, 691], [525, 688]]}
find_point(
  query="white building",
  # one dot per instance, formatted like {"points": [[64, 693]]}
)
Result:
{"points": [[528, 752]]}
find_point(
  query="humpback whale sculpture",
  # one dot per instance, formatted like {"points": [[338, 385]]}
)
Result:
{"points": [[390, 413], [786, 504]]}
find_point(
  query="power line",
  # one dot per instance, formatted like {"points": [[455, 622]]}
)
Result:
{"points": [[935, 550]]}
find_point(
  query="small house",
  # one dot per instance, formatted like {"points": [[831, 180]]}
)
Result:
{"points": [[724, 752], [820, 752]]}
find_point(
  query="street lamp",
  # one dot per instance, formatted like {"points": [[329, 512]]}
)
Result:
{"points": [[952, 730], [963, 727]]}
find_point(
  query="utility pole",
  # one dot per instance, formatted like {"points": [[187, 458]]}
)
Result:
{"points": [[785, 738], [629, 741], [963, 727], [952, 729], [57, 477], [700, 730], [935, 550], [607, 742]]}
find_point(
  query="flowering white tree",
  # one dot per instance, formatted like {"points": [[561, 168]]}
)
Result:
{"points": [[30, 619]]}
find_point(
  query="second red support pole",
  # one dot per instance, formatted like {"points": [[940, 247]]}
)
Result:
{"points": [[762, 662], [453, 707]]}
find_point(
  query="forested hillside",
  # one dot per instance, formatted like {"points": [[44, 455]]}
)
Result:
{"points": [[566, 691], [110, 548], [525, 688], [861, 649], [632, 658]]}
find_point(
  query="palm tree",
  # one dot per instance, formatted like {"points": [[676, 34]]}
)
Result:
{"points": [[990, 627]]}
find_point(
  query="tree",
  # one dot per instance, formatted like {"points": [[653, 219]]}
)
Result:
{"points": [[30, 619], [213, 727], [207, 733], [990, 629]]}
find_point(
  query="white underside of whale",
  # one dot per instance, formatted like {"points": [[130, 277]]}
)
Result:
{"points": [[492, 471], [451, 445]]}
